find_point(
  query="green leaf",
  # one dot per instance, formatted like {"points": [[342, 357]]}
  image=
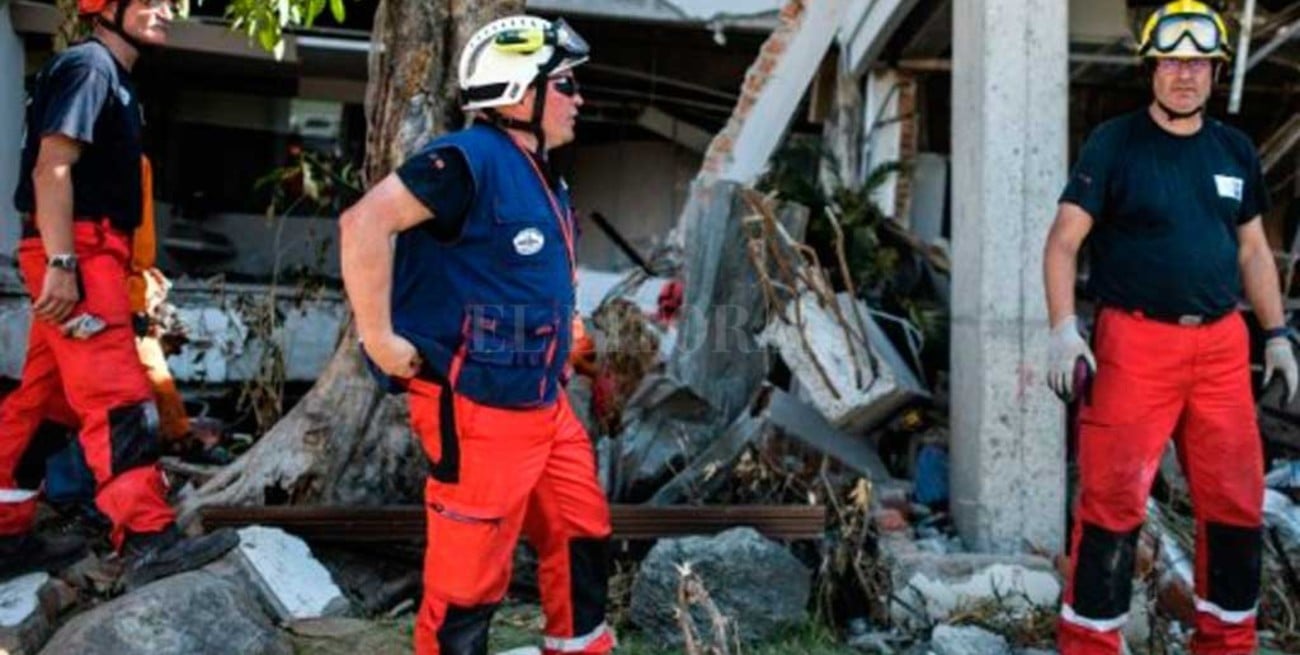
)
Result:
{"points": [[336, 8], [268, 36]]}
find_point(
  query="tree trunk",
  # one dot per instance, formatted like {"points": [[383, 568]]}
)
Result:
{"points": [[346, 442]]}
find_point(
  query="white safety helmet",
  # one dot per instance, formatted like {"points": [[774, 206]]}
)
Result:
{"points": [[505, 57]]}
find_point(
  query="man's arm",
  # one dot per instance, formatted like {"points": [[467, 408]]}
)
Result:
{"points": [[367, 230], [1259, 273], [52, 185], [1061, 259]]}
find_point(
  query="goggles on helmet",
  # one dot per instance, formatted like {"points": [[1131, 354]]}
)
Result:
{"points": [[528, 40]]}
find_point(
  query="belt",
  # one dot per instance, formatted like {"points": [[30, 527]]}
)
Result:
{"points": [[1185, 320]]}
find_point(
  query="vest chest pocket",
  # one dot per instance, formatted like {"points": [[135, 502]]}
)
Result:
{"points": [[510, 351], [525, 241]]}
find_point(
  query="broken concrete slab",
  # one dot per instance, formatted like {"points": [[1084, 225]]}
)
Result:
{"points": [[708, 472], [803, 423], [29, 605], [755, 582], [928, 588], [716, 354], [848, 369], [967, 640], [291, 581], [193, 612]]}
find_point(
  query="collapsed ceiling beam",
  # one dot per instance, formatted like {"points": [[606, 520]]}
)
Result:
{"points": [[774, 85], [867, 29]]}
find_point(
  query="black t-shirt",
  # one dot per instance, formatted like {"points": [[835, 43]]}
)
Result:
{"points": [[440, 178], [83, 93], [1166, 211]]}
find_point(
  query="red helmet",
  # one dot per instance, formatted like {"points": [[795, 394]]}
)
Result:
{"points": [[91, 7]]}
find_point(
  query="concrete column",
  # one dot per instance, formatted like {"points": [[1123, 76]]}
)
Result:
{"points": [[1010, 91], [12, 102]]}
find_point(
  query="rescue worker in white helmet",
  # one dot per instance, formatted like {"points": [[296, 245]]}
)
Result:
{"points": [[460, 269]]}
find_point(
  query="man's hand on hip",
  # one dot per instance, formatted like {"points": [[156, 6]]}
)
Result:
{"points": [[1065, 347], [1279, 356], [58, 296], [394, 355]]}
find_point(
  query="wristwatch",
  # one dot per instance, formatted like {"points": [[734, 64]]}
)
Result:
{"points": [[1281, 331], [66, 262]]}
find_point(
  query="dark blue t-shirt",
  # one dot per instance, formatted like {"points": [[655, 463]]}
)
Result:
{"points": [[84, 94], [1166, 209]]}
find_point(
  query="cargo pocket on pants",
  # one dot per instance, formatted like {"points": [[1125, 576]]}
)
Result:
{"points": [[464, 561]]}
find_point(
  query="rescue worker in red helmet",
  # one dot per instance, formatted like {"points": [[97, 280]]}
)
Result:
{"points": [[80, 195], [460, 270], [1170, 201]]}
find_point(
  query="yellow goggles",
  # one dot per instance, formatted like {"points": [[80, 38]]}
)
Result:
{"points": [[528, 40]]}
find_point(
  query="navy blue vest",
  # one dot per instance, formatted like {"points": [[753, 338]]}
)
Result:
{"points": [[490, 313]]}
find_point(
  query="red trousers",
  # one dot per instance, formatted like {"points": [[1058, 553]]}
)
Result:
{"points": [[101, 378], [1155, 380], [495, 473]]}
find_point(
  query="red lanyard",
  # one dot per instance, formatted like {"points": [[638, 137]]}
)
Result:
{"points": [[566, 224]]}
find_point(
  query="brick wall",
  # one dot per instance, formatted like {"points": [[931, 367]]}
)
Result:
{"points": [[719, 151]]}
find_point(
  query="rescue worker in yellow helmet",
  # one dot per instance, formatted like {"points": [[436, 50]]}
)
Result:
{"points": [[1170, 202]]}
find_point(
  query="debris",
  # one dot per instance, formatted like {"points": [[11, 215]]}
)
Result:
{"points": [[931, 477], [709, 471], [930, 588], [194, 612], [756, 583], [801, 422], [717, 355], [889, 520], [967, 640], [291, 581]]}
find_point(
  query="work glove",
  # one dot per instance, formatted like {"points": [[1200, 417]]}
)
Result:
{"points": [[1064, 350], [1279, 356]]}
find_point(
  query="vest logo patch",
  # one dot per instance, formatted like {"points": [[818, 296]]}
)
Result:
{"points": [[529, 241], [1229, 186]]}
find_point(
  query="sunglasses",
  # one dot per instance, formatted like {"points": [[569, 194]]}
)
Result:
{"points": [[1169, 65], [566, 85]]}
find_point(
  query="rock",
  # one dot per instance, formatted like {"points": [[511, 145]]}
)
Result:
{"points": [[754, 581], [28, 606], [933, 586], [967, 640], [194, 612], [292, 582]]}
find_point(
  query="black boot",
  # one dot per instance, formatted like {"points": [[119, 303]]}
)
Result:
{"points": [[27, 553], [153, 555]]}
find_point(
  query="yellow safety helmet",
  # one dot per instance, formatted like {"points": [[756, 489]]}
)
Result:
{"points": [[1185, 29]]}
